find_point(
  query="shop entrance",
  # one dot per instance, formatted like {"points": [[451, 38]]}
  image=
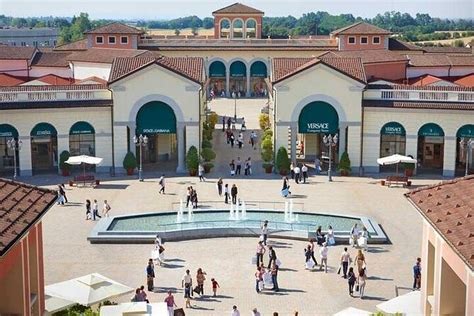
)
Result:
{"points": [[258, 73], [7, 147], [464, 153], [157, 121], [316, 120], [44, 148], [217, 78], [238, 78], [392, 141], [430, 148]]}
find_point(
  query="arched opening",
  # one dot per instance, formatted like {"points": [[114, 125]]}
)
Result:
{"points": [[8, 149], [430, 148], [392, 141], [317, 119], [157, 121], [82, 142], [237, 28], [224, 27], [258, 73], [464, 153], [44, 148], [217, 76], [250, 28], [238, 78]]}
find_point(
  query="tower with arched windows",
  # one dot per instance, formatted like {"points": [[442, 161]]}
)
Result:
{"points": [[238, 21]]}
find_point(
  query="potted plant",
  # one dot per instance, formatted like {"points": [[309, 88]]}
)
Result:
{"points": [[267, 154], [65, 168], [129, 163], [408, 167], [345, 164], [264, 121], [208, 166], [282, 161], [206, 144], [192, 160], [212, 119]]}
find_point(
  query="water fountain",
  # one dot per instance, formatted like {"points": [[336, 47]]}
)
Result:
{"points": [[291, 212], [287, 219], [244, 210], [237, 211], [190, 213], [231, 211], [179, 215]]}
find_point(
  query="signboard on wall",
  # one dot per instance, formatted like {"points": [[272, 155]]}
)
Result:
{"points": [[318, 117]]}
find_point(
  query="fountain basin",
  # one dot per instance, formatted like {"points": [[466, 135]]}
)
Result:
{"points": [[142, 228]]}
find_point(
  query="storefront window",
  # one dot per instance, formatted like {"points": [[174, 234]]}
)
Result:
{"points": [[7, 132], [238, 28], [250, 28], [392, 144], [225, 28], [82, 145]]}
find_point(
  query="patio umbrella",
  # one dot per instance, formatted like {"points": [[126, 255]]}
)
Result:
{"points": [[407, 304], [83, 159], [56, 304], [135, 308], [87, 290], [395, 159], [351, 311]]}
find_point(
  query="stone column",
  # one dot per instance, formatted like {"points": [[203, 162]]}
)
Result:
{"points": [[25, 164], [412, 148], [342, 138], [133, 148], [294, 132], [248, 83], [281, 136], [180, 129], [353, 146], [63, 144], [227, 82], [120, 146], [449, 158]]}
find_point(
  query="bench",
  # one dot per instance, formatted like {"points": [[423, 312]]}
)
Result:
{"points": [[403, 180], [88, 178]]}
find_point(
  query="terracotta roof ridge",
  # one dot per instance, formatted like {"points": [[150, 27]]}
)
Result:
{"points": [[339, 30], [444, 182]]}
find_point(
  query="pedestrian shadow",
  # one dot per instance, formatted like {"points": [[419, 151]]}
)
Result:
{"points": [[202, 308], [207, 299], [377, 250], [175, 259], [165, 289], [225, 296], [297, 196], [274, 242], [172, 266], [378, 278], [374, 298], [110, 186], [291, 290], [287, 269]]}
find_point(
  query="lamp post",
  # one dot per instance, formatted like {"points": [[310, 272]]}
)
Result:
{"points": [[330, 141], [467, 144], [14, 145], [234, 96], [141, 141]]}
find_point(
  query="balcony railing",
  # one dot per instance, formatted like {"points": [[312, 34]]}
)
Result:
{"points": [[419, 95], [26, 95]]}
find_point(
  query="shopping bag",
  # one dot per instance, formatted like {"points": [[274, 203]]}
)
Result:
{"points": [[310, 264], [278, 262], [339, 270], [155, 254], [362, 241], [260, 285], [232, 172], [267, 280], [351, 241], [254, 260], [197, 290], [262, 238], [331, 241], [357, 288], [162, 257]]}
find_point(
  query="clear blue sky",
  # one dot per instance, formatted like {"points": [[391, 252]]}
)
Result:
{"points": [[166, 9]]}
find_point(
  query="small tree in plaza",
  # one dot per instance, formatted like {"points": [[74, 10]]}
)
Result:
{"points": [[192, 160], [129, 162], [264, 121], [267, 154], [345, 164], [282, 161], [62, 162]]}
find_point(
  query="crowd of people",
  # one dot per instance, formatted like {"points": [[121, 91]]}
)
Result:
{"points": [[92, 210]]}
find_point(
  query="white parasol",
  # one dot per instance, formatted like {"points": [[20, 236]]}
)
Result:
{"points": [[83, 159], [395, 159]]}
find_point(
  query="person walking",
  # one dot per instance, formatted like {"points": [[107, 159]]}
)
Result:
{"points": [[297, 172], [317, 165], [359, 260], [253, 138], [187, 284], [243, 127], [233, 193], [223, 123], [240, 140], [351, 279], [189, 191], [274, 272], [200, 278], [292, 170], [215, 285], [232, 167], [60, 200], [238, 166], [106, 209], [311, 244], [320, 236], [271, 256], [330, 236], [62, 189], [304, 170], [150, 275], [260, 252], [194, 199], [249, 166], [201, 173], [170, 303], [417, 274], [88, 209], [235, 311], [323, 252], [307, 257], [258, 278], [95, 210], [354, 236], [219, 186], [345, 262], [264, 229], [286, 187], [232, 140], [162, 184], [255, 312], [226, 193], [361, 281], [229, 121]]}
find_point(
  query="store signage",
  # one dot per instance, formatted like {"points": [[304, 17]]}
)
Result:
{"points": [[318, 127], [156, 131], [75, 132], [430, 129], [393, 128], [318, 117], [43, 133], [6, 134]]}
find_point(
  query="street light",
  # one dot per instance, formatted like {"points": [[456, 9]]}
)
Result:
{"points": [[234, 96], [466, 144], [14, 145], [330, 141], [141, 141]]}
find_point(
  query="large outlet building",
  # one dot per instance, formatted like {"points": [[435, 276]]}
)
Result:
{"points": [[380, 95]]}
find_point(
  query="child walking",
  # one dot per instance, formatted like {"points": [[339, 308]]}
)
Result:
{"points": [[215, 285]]}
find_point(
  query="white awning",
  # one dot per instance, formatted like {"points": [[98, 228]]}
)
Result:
{"points": [[351, 311], [77, 160], [56, 304], [407, 304], [135, 309], [394, 159]]}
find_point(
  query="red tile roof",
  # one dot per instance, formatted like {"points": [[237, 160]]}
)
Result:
{"points": [[103, 55], [466, 81], [429, 88], [51, 59], [77, 45], [17, 52], [115, 28], [7, 80], [237, 8], [371, 56], [448, 50], [360, 28], [449, 208], [53, 88], [52, 79], [189, 67], [21, 206], [284, 68], [428, 80], [395, 44], [439, 60], [91, 80]]}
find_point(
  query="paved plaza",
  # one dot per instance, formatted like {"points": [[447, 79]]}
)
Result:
{"points": [[68, 254]]}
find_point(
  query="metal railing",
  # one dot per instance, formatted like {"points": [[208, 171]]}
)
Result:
{"points": [[59, 95], [419, 95]]}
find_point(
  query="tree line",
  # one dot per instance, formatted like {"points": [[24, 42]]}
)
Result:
{"points": [[422, 27]]}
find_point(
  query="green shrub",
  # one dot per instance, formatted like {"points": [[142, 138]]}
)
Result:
{"points": [[264, 121], [407, 166], [206, 131], [267, 134], [345, 163], [208, 154], [206, 144], [192, 159], [129, 162], [62, 160], [267, 150], [282, 160], [213, 118]]}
